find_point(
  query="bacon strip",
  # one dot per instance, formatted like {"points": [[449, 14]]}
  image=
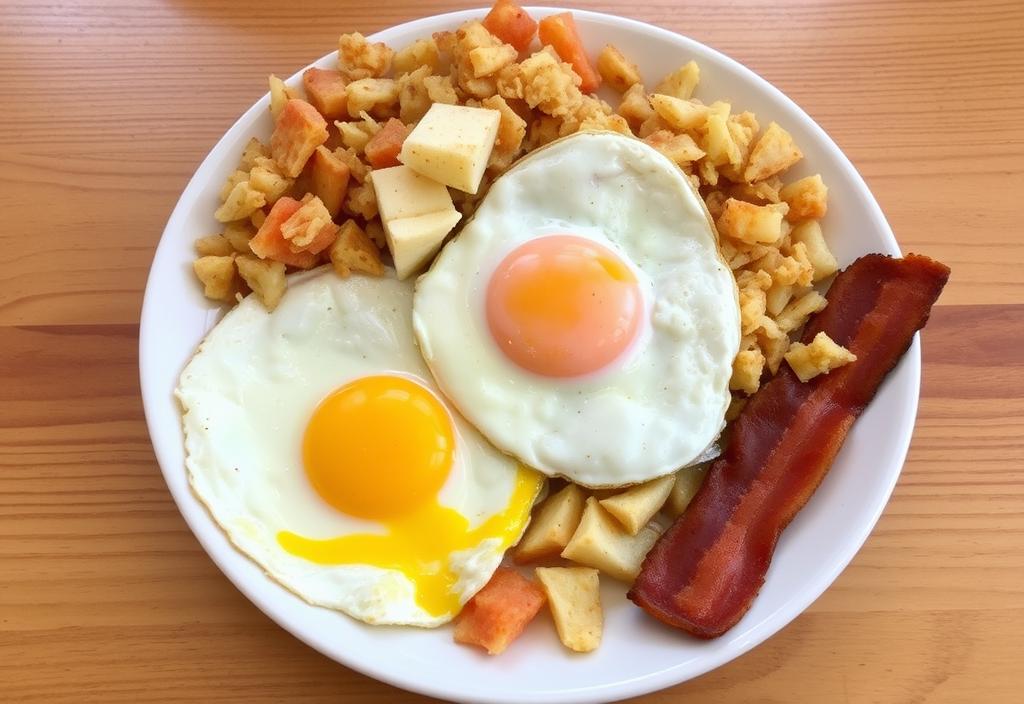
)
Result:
{"points": [[705, 571]]}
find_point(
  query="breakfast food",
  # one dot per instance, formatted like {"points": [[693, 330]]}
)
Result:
{"points": [[289, 419], [600, 323], [499, 612], [705, 571]]}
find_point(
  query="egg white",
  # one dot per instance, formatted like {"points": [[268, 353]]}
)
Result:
{"points": [[663, 403], [247, 396]]}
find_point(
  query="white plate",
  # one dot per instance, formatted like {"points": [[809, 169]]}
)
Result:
{"points": [[638, 655]]}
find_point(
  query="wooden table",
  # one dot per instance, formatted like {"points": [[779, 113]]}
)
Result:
{"points": [[109, 105]]}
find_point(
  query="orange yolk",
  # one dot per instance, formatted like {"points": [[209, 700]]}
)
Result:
{"points": [[381, 448], [563, 306]]}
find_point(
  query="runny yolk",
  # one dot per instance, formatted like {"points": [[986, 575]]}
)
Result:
{"points": [[563, 306], [381, 448]]}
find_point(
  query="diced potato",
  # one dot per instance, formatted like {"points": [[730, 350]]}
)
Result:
{"points": [[375, 231], [681, 82], [440, 89], [687, 483], [498, 613], [217, 273], [326, 91], [753, 304], [238, 235], [749, 223], [511, 128], [680, 148], [600, 542], [707, 172], [718, 142], [266, 278], [616, 70], [266, 178], [552, 525], [257, 218], [574, 597], [774, 152], [807, 198], [330, 179], [362, 201], [421, 53], [376, 96], [635, 106], [636, 506], [254, 149], [415, 240], [233, 179], [680, 114], [488, 60], [299, 131], [353, 135], [452, 144], [821, 257], [213, 246], [777, 297], [795, 314], [279, 95], [773, 343], [354, 251], [820, 357], [310, 228], [240, 203], [358, 58], [413, 97], [746, 371]]}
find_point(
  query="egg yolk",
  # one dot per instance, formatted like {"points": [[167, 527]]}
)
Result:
{"points": [[563, 306], [381, 448]]}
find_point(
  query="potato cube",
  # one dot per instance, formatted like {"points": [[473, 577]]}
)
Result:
{"points": [[299, 131], [795, 314], [213, 246], [807, 198], [265, 277], [414, 241], [233, 179], [774, 152], [254, 149], [680, 148], [511, 127], [635, 106], [777, 297], [821, 257], [240, 203], [718, 142], [773, 343], [421, 53], [217, 275], [616, 70], [688, 481], [376, 96], [552, 525], [266, 179], [361, 200], [330, 179], [279, 95], [746, 371], [404, 193], [488, 60], [358, 58], [441, 89], [681, 82], [574, 597], [636, 506], [238, 235], [600, 542], [820, 357], [679, 114], [354, 251], [452, 144], [326, 92], [753, 303], [749, 223]]}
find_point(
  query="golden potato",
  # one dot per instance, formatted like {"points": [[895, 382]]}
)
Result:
{"points": [[635, 106], [688, 481], [421, 53], [240, 203], [358, 58], [746, 371], [752, 224], [820, 357], [636, 506], [574, 597], [680, 148], [552, 525], [718, 142], [217, 275], [265, 277], [774, 152], [600, 542], [617, 71], [681, 82], [353, 250], [213, 246], [238, 235], [279, 95], [820, 256], [679, 114], [796, 312], [807, 198], [376, 96], [254, 148], [488, 60]]}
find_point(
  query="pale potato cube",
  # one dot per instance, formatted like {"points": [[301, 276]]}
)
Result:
{"points": [[637, 505], [681, 82], [574, 596], [217, 274], [749, 223], [373, 95], [213, 246], [680, 148], [718, 142], [746, 371], [265, 277], [441, 89], [617, 71], [422, 52], [821, 257], [354, 135], [238, 235], [807, 198], [688, 481], [240, 203], [268, 181], [353, 250], [233, 179], [635, 106], [773, 343], [777, 297], [820, 357], [452, 144], [279, 95], [257, 218], [774, 152], [404, 193], [361, 200], [600, 542], [358, 58], [795, 314], [706, 173], [552, 525], [254, 149], [753, 303], [488, 60], [680, 114]]}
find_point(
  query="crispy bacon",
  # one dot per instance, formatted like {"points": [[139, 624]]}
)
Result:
{"points": [[703, 573]]}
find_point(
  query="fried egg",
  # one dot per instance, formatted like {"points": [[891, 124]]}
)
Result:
{"points": [[319, 443], [584, 320]]}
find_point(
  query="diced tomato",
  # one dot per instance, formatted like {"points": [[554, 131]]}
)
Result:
{"points": [[326, 91], [299, 131], [383, 148], [499, 612], [511, 24], [559, 32], [330, 179], [269, 243]]}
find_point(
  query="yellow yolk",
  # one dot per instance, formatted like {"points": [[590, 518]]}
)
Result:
{"points": [[563, 306], [381, 448]]}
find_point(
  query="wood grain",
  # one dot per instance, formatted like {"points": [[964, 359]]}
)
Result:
{"points": [[110, 105]]}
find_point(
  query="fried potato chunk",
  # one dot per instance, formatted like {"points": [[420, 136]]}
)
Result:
{"points": [[688, 481], [680, 114], [574, 597], [822, 261], [358, 58], [213, 246], [680, 148], [217, 273], [238, 235], [377, 96], [265, 277], [544, 82], [600, 542], [749, 223], [552, 525], [240, 203], [636, 506], [681, 82], [796, 312], [774, 152], [616, 70], [422, 53], [807, 198], [354, 251], [820, 357], [635, 106], [746, 371], [488, 60]]}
